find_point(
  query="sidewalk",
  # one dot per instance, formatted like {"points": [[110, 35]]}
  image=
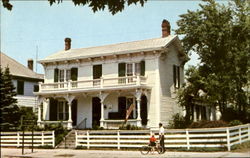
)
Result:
{"points": [[49, 153]]}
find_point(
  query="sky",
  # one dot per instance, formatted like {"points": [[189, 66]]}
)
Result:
{"points": [[35, 27]]}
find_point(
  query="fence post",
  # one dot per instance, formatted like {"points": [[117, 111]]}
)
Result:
{"points": [[187, 136], [18, 139], [42, 138], [240, 135], [87, 139], [53, 139], [118, 139], [228, 140]]}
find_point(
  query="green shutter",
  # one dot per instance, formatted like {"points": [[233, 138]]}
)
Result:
{"points": [[56, 75], [143, 68], [174, 75], [121, 69], [53, 109], [74, 74]]}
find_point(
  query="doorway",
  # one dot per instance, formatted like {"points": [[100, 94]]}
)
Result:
{"points": [[96, 111]]}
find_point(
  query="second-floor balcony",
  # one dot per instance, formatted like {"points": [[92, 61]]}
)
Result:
{"points": [[94, 84]]}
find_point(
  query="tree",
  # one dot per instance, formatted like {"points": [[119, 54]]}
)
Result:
{"points": [[220, 35], [114, 6], [9, 110]]}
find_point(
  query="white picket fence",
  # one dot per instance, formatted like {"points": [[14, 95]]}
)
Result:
{"points": [[174, 138], [15, 139]]}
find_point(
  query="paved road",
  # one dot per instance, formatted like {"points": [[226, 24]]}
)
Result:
{"points": [[57, 153]]}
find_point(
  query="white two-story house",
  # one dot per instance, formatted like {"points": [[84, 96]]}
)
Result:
{"points": [[95, 86]]}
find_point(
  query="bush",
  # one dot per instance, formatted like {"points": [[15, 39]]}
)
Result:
{"points": [[130, 127], [208, 124], [235, 123], [178, 122], [60, 131]]}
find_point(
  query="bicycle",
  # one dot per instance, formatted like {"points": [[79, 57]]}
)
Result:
{"points": [[146, 149]]}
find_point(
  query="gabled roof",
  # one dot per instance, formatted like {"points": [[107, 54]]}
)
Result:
{"points": [[17, 69], [113, 49]]}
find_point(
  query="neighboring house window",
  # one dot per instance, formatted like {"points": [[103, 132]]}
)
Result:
{"points": [[63, 110], [176, 76], [20, 87], [36, 88]]}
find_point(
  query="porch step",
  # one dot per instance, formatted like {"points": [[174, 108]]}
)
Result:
{"points": [[68, 142]]}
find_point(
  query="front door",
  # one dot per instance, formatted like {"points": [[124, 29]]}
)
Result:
{"points": [[96, 111]]}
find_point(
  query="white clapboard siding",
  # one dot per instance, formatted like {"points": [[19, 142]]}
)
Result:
{"points": [[174, 138], [26, 101], [15, 139]]}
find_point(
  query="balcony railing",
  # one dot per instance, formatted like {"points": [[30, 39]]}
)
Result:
{"points": [[94, 83]]}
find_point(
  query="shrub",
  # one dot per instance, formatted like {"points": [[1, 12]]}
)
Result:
{"points": [[208, 124], [130, 127], [235, 123], [178, 122]]}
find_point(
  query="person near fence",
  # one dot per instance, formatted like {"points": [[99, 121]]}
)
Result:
{"points": [[161, 136]]}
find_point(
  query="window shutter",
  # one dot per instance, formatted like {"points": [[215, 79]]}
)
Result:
{"points": [[174, 75], [143, 68], [56, 75], [121, 69], [52, 109], [74, 74], [178, 76]]}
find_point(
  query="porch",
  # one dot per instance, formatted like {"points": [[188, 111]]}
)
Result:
{"points": [[105, 109]]}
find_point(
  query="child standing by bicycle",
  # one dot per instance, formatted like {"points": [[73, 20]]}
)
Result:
{"points": [[152, 141]]}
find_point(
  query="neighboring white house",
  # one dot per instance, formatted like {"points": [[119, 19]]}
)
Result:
{"points": [[95, 86], [24, 79]]}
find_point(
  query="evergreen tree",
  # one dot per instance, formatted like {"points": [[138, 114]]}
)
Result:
{"points": [[9, 110]]}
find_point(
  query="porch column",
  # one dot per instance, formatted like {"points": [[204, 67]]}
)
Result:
{"points": [[138, 94], [102, 96], [195, 114], [200, 110], [207, 113], [69, 99]]}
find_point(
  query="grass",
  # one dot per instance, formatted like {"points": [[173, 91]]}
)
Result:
{"points": [[241, 147]]}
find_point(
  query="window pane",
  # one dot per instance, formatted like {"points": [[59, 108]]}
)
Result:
{"points": [[129, 69], [61, 75], [68, 75]]}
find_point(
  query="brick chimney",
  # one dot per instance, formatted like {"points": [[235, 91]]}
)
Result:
{"points": [[67, 43], [30, 64], [165, 28]]}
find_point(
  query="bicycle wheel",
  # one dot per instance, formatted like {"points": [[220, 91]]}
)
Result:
{"points": [[145, 150], [160, 150]]}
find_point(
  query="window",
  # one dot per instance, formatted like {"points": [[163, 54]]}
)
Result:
{"points": [[20, 87], [176, 76], [65, 75], [130, 69], [63, 110]]}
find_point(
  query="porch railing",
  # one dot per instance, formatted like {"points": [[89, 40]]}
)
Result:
{"points": [[94, 83]]}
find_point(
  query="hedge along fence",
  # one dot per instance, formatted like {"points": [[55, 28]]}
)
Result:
{"points": [[15, 139], [174, 138]]}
